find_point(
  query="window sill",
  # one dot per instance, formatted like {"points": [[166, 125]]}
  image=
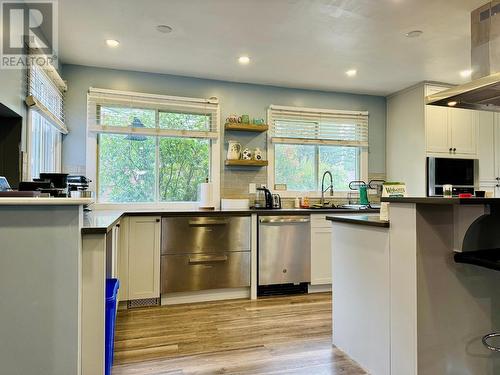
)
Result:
{"points": [[182, 206]]}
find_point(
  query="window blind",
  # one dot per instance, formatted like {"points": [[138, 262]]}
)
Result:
{"points": [[318, 126], [109, 111], [46, 95]]}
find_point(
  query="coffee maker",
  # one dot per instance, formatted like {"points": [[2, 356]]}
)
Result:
{"points": [[264, 198]]}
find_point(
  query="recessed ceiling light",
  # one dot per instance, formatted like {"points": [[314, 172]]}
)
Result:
{"points": [[244, 60], [466, 73], [165, 29], [414, 33], [452, 103], [112, 43], [351, 72]]}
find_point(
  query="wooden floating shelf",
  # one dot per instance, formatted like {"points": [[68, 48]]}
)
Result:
{"points": [[246, 127], [247, 163]]}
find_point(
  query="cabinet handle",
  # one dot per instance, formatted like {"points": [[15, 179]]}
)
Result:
{"points": [[454, 150], [118, 225], [451, 149], [157, 220]]}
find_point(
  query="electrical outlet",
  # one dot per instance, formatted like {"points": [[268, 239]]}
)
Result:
{"points": [[252, 188]]}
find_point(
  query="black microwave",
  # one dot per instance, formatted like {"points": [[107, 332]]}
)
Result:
{"points": [[463, 174]]}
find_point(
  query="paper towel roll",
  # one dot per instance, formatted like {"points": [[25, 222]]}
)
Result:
{"points": [[205, 196]]}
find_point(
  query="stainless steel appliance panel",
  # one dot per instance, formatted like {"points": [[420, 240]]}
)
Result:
{"points": [[284, 249], [181, 235], [193, 272]]}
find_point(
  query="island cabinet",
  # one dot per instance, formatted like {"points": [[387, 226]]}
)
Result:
{"points": [[321, 251], [139, 260]]}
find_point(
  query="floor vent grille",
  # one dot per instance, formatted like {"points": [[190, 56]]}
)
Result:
{"points": [[147, 302]]}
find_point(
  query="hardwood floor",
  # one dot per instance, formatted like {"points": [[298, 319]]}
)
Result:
{"points": [[278, 335]]}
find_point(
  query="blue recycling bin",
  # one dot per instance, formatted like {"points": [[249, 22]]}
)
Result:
{"points": [[112, 286]]}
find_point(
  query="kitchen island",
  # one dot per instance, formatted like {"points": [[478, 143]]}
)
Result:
{"points": [[40, 285], [434, 311]]}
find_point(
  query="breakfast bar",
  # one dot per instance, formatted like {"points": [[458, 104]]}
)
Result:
{"points": [[424, 312]]}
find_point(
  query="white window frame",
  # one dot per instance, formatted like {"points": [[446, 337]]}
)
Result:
{"points": [[56, 120], [29, 139], [363, 158], [92, 156]]}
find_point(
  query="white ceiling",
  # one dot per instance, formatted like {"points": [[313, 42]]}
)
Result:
{"points": [[293, 43]]}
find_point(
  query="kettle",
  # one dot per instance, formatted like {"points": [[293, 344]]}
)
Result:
{"points": [[264, 198]]}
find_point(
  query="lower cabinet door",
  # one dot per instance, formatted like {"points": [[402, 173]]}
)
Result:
{"points": [[202, 271], [144, 257], [321, 256]]}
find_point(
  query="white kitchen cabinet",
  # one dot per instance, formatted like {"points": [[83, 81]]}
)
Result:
{"points": [[437, 133], [462, 131], [144, 257], [416, 130], [488, 170], [450, 131], [321, 251], [488, 143]]}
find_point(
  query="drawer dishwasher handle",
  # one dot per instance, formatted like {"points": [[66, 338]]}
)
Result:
{"points": [[490, 336], [207, 259], [203, 223], [283, 220]]}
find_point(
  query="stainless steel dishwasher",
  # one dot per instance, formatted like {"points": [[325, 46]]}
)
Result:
{"points": [[200, 253], [284, 250]]}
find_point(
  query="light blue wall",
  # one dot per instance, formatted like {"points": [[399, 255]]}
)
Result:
{"points": [[235, 98]]}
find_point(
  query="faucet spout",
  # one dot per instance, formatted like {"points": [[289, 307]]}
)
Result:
{"points": [[330, 187]]}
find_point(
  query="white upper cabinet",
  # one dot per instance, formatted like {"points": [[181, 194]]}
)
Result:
{"points": [[462, 131], [437, 130], [450, 131]]}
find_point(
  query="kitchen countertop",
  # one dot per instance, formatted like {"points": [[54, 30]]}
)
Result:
{"points": [[372, 220], [30, 201], [101, 221], [443, 201]]}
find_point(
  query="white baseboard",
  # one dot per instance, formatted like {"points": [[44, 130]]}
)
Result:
{"points": [[319, 288], [204, 296]]}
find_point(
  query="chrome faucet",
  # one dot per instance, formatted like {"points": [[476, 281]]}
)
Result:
{"points": [[323, 187]]}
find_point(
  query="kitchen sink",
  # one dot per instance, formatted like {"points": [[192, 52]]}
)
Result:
{"points": [[342, 207]]}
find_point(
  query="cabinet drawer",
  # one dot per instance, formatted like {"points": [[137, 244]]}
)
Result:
{"points": [[186, 235], [192, 272]]}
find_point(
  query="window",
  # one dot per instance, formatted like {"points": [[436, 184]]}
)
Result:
{"points": [[307, 142], [46, 120], [152, 149], [45, 148]]}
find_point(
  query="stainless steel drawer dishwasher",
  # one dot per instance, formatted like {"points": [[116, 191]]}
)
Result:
{"points": [[284, 250], [199, 253]]}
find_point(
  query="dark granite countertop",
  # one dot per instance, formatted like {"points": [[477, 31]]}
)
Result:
{"points": [[370, 220], [101, 221], [443, 201]]}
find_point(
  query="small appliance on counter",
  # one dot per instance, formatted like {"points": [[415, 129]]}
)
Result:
{"points": [[78, 187], [55, 184], [264, 198], [276, 201]]}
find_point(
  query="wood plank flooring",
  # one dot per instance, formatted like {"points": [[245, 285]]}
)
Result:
{"points": [[278, 335]]}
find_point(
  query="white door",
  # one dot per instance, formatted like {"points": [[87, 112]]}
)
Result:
{"points": [[144, 257], [321, 256], [463, 131], [437, 133]]}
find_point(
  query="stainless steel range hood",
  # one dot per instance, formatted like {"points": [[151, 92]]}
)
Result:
{"points": [[483, 92]]}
